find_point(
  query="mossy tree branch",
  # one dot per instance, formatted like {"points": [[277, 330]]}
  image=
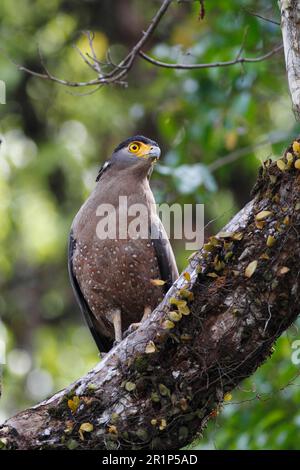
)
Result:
{"points": [[217, 324]]}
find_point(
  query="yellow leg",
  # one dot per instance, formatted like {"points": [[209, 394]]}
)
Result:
{"points": [[147, 311], [116, 319], [134, 326]]}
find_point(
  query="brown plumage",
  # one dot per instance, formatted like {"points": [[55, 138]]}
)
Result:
{"points": [[112, 277]]}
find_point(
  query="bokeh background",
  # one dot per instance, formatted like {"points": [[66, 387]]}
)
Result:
{"points": [[215, 126]]}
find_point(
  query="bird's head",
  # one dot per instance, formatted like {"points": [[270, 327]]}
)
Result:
{"points": [[137, 150]]}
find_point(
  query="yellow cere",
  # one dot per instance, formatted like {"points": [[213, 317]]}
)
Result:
{"points": [[139, 149]]}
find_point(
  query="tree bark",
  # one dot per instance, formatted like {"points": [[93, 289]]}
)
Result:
{"points": [[159, 387], [290, 27]]}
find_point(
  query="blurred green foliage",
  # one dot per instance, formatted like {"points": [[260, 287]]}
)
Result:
{"points": [[54, 141]]}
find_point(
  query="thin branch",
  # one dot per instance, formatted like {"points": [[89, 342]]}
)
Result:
{"points": [[237, 60], [257, 15], [91, 37], [94, 66], [85, 93], [120, 70]]}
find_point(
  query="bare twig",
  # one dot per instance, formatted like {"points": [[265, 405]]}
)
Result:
{"points": [[262, 17], [86, 61], [97, 66], [119, 71], [237, 60]]}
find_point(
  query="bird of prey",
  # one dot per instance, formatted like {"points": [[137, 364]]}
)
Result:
{"points": [[115, 280]]}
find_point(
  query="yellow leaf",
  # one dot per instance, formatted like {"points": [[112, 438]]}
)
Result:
{"points": [[219, 265], [225, 234], [187, 276], [296, 147], [177, 302], [184, 310], [155, 397], [249, 271], [3, 441], [212, 275], [168, 325], [228, 255], [157, 282], [150, 348], [163, 424], [74, 403], [263, 215], [186, 294], [284, 270], [130, 386], [260, 224], [286, 220], [237, 236], [270, 241], [85, 427], [297, 164], [281, 165], [208, 246], [112, 429], [227, 397], [163, 390], [175, 316], [214, 241]]}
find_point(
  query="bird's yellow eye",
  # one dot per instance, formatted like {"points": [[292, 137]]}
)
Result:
{"points": [[134, 147]]}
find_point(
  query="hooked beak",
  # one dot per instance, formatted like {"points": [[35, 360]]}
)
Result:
{"points": [[154, 153]]}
